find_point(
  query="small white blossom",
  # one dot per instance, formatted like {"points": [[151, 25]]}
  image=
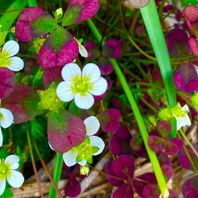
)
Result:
{"points": [[83, 153], [81, 85], [6, 119], [8, 172], [181, 116], [8, 58]]}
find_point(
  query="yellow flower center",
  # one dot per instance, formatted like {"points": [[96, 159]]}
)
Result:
{"points": [[177, 111], [81, 85], [4, 170], [1, 117], [5, 60]]}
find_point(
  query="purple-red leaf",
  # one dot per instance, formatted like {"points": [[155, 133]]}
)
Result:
{"points": [[60, 48], [110, 120], [80, 10], [189, 188], [7, 82], [23, 103], [65, 130], [24, 31], [72, 188]]}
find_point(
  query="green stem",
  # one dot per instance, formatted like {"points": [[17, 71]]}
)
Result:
{"points": [[152, 156], [56, 174], [153, 26]]}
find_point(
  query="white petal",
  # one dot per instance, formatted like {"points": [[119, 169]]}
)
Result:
{"points": [[196, 68], [1, 137], [13, 160], [98, 142], [63, 91], [50, 146], [12, 47], [17, 64], [99, 87], [92, 125], [91, 70], [70, 157], [82, 163], [186, 108], [7, 118], [2, 186], [82, 50], [84, 102], [183, 121], [70, 70], [16, 179]]}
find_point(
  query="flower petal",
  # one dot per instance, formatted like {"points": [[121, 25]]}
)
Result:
{"points": [[92, 125], [2, 186], [183, 121], [84, 102], [99, 87], [98, 142], [82, 50], [70, 70], [82, 163], [16, 179], [91, 70], [70, 157], [17, 64], [13, 160], [12, 47], [64, 92], [185, 108], [7, 119], [1, 137]]}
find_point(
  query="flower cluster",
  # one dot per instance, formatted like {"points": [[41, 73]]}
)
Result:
{"points": [[91, 146]]}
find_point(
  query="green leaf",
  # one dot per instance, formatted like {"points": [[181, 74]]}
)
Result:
{"points": [[11, 14], [189, 2], [71, 15], [44, 24], [58, 39]]}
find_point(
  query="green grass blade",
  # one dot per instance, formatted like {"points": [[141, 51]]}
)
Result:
{"points": [[11, 14], [154, 30], [152, 156]]}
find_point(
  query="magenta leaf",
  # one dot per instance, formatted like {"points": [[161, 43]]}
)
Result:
{"points": [[72, 188], [65, 130], [151, 191], [80, 10], [112, 48], [23, 103], [110, 120], [60, 48], [183, 159], [124, 191], [119, 143], [189, 188], [33, 22], [193, 43], [156, 143], [7, 82]]}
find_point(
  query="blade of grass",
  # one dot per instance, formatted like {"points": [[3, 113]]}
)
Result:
{"points": [[154, 30], [152, 156], [56, 174], [10, 15]]}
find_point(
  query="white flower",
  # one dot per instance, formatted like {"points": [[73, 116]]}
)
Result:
{"points": [[181, 116], [6, 119], [82, 154], [81, 86], [8, 172], [8, 58]]}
